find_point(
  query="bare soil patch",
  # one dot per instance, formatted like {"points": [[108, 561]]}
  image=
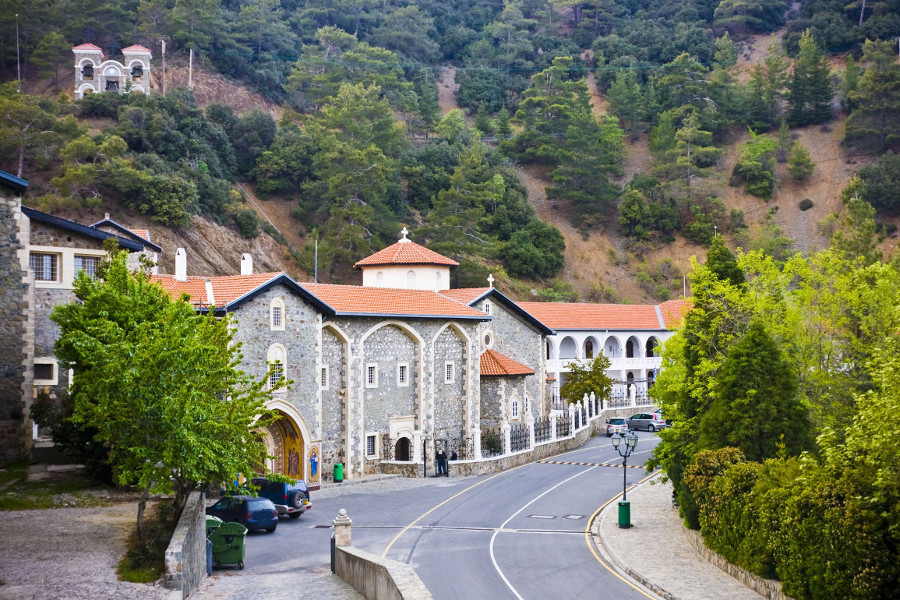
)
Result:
{"points": [[447, 88]]}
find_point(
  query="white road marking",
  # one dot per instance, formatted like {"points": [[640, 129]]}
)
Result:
{"points": [[513, 516]]}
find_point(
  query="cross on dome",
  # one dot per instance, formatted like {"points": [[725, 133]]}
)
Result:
{"points": [[404, 232], [491, 280]]}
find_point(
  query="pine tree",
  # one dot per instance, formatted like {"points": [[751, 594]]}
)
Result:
{"points": [[756, 407], [800, 166], [811, 90], [625, 99], [874, 125]]}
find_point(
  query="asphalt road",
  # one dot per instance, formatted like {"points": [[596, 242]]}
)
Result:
{"points": [[515, 534]]}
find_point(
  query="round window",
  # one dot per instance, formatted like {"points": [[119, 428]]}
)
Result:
{"points": [[488, 339]]}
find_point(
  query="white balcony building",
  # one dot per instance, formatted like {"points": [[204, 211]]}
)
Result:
{"points": [[631, 337]]}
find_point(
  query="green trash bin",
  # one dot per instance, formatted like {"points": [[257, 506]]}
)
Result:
{"points": [[338, 472], [228, 544], [212, 523], [624, 515]]}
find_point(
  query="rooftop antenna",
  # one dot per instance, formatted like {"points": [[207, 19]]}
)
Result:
{"points": [[18, 63]]}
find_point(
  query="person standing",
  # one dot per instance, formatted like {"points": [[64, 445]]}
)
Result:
{"points": [[441, 457]]}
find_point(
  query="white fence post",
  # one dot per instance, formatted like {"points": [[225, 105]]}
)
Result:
{"points": [[530, 422], [572, 419], [507, 446], [594, 404], [552, 427]]}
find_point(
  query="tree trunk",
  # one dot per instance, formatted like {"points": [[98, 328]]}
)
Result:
{"points": [[145, 495], [862, 9]]}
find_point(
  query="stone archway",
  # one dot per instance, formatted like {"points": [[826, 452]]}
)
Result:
{"points": [[402, 449], [286, 445]]}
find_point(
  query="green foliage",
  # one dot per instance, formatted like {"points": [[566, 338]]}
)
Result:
{"points": [[756, 166], [806, 204], [800, 165], [535, 251], [586, 380], [159, 383], [756, 402], [855, 233], [750, 16], [811, 90], [877, 183], [247, 222], [874, 123]]}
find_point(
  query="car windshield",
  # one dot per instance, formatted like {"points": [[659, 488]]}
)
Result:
{"points": [[259, 505], [617, 421]]}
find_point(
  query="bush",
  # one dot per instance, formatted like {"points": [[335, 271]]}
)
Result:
{"points": [[806, 204], [247, 223]]}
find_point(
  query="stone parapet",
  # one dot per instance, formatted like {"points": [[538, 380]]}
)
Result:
{"points": [[186, 554]]}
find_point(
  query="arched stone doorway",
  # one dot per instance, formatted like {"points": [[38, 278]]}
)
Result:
{"points": [[285, 445], [401, 449]]}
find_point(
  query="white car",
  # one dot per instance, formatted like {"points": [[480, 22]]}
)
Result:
{"points": [[616, 426]]}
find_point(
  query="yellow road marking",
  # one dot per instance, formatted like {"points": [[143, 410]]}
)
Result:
{"points": [[587, 539]]}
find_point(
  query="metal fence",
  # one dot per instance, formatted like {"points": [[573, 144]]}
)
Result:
{"points": [[542, 429], [463, 447], [563, 426], [519, 437], [491, 442]]}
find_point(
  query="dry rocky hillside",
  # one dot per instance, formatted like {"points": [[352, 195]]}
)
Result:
{"points": [[600, 265]]}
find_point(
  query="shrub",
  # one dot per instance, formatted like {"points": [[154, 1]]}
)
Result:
{"points": [[806, 204], [247, 223]]}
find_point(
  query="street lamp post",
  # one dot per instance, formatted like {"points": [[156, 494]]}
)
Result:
{"points": [[625, 450]]}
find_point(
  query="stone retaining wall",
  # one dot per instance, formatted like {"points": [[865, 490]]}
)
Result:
{"points": [[186, 554], [378, 578], [769, 588]]}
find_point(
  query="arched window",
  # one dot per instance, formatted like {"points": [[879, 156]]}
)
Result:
{"points": [[526, 408], [589, 349], [276, 315], [277, 365], [515, 408], [488, 339], [410, 278], [87, 72], [567, 348]]}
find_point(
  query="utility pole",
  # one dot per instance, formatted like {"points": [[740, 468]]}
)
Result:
{"points": [[191, 70], [18, 62], [164, 66]]}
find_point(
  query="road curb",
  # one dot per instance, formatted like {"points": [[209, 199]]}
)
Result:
{"points": [[607, 552]]}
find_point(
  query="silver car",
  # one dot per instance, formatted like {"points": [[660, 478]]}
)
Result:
{"points": [[616, 426], [649, 421]]}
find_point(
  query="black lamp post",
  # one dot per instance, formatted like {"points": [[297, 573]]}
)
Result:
{"points": [[625, 450]]}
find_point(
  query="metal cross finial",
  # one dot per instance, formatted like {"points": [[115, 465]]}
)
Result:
{"points": [[491, 280], [403, 232]]}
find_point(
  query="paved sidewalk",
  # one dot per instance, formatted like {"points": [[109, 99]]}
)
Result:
{"points": [[656, 553]]}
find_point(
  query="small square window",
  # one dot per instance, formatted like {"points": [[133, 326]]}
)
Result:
{"points": [[449, 372], [371, 445], [45, 371], [88, 264], [372, 375], [402, 375], [323, 378], [44, 266]]}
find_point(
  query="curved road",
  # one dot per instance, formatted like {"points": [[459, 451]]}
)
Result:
{"points": [[518, 534]]}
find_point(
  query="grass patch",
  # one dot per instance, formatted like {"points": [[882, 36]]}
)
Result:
{"points": [[56, 491], [145, 559]]}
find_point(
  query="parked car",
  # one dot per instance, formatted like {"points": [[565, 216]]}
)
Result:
{"points": [[649, 421], [253, 513], [616, 426], [291, 499], [667, 421]]}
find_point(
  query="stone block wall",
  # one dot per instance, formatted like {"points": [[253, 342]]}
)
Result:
{"points": [[16, 334], [186, 554]]}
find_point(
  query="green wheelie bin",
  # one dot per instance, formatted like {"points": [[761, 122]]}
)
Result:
{"points": [[212, 523], [228, 544]]}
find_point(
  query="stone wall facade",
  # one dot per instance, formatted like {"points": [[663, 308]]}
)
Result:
{"points": [[16, 331], [186, 554]]}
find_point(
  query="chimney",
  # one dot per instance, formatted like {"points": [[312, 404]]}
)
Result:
{"points": [[246, 264], [180, 265], [106, 216]]}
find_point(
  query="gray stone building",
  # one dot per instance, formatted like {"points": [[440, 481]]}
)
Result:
{"points": [[382, 372], [94, 73]]}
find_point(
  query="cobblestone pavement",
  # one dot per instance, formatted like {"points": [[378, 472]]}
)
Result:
{"points": [[656, 553]]}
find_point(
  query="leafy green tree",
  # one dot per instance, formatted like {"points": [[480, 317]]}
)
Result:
{"points": [[855, 235], [195, 23], [800, 165], [746, 16], [625, 99], [692, 155], [767, 88], [874, 125], [849, 83], [756, 406], [159, 383], [50, 54], [756, 166], [26, 129], [587, 379], [251, 136], [720, 262], [811, 90], [534, 251], [878, 183], [408, 31]]}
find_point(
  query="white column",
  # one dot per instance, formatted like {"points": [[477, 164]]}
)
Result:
{"points": [[530, 422], [572, 419], [507, 446]]}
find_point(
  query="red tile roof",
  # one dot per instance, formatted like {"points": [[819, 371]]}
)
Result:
{"points": [[673, 312], [405, 252], [88, 47], [358, 300], [226, 289], [465, 295], [494, 364], [135, 48], [141, 233], [571, 315]]}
